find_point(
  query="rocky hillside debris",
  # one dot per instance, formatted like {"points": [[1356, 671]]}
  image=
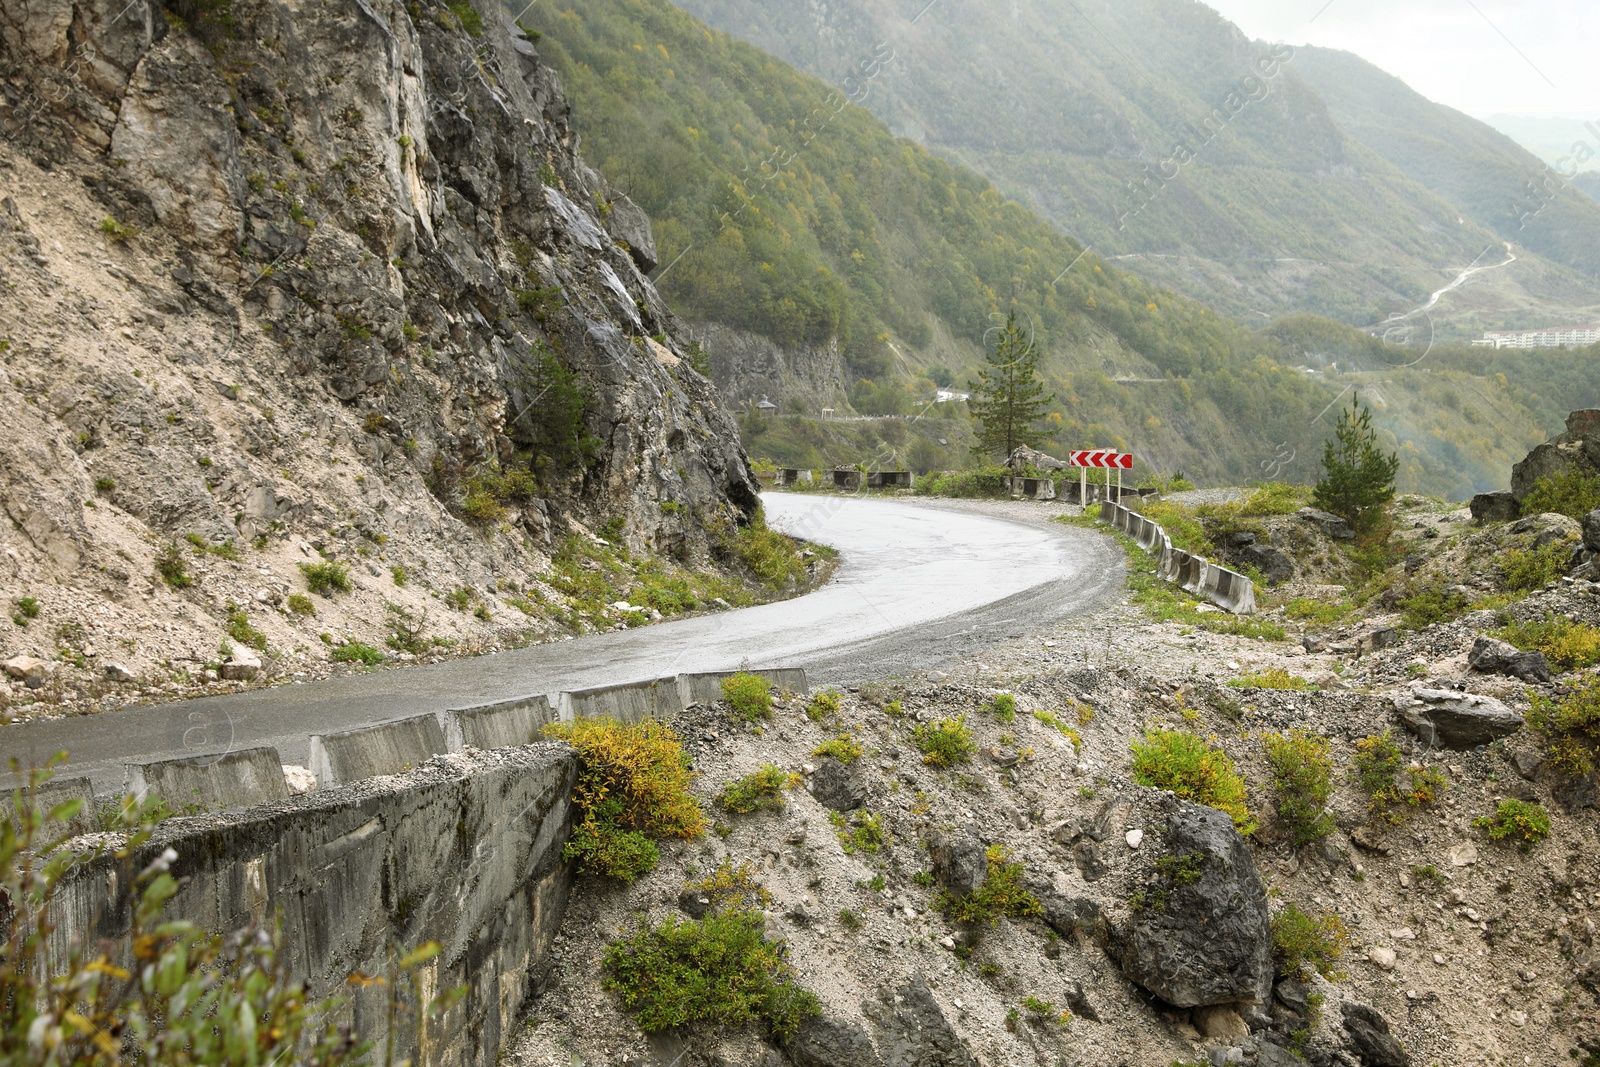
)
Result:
{"points": [[837, 786], [1490, 655], [1370, 1038], [1200, 935], [960, 861], [1445, 718], [378, 310], [913, 1030], [1328, 524]]}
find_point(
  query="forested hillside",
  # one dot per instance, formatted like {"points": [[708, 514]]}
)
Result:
{"points": [[1156, 132]]}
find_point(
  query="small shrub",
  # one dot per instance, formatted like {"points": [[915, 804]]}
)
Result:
{"points": [[1275, 678], [823, 705], [730, 888], [1518, 818], [399, 574], [1300, 939], [1567, 645], [1378, 769], [1429, 606], [104, 484], [1573, 493], [634, 786], [1002, 893], [300, 604], [946, 742], [118, 232], [1003, 706], [202, 547], [170, 567], [844, 748], [761, 791], [1302, 779], [1316, 612], [1526, 569], [863, 833], [1571, 725], [27, 608], [1193, 770], [770, 557], [1050, 718], [467, 15], [748, 694], [240, 630], [851, 920], [327, 577], [720, 971], [356, 652]]}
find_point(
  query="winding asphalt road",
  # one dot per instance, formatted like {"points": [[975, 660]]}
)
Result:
{"points": [[917, 584]]}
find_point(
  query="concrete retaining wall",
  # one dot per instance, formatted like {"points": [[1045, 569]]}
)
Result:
{"points": [[890, 479], [238, 779], [844, 479], [1222, 587], [500, 725], [657, 698], [1034, 488], [389, 748], [59, 791], [706, 688], [465, 850], [793, 476]]}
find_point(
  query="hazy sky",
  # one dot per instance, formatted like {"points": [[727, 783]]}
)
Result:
{"points": [[1478, 56]]}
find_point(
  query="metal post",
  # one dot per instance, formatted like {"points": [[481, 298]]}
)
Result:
{"points": [[1083, 487], [1119, 485]]}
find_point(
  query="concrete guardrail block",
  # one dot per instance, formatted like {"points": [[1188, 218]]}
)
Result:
{"points": [[54, 793], [389, 748], [630, 702], [706, 688], [238, 779], [504, 724]]}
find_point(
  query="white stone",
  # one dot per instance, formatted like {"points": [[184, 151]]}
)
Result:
{"points": [[118, 673], [1135, 836], [1404, 933], [1464, 854], [298, 779], [1383, 957], [241, 665]]}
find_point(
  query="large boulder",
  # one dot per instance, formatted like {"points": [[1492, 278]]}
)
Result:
{"points": [[1549, 460], [960, 861], [1447, 719], [1329, 524], [826, 1042], [1549, 528], [1499, 506], [1490, 655], [1202, 935], [837, 786], [1274, 564], [913, 1032], [1370, 1038], [630, 226], [1591, 531]]}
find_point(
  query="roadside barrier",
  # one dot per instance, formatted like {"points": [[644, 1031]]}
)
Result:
{"points": [[370, 751], [239, 779], [1222, 587], [706, 688], [498, 725], [629, 702]]}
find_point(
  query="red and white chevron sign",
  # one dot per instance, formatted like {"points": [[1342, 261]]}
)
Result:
{"points": [[1101, 457]]}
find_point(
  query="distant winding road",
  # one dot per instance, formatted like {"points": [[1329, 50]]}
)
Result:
{"points": [[917, 583]]}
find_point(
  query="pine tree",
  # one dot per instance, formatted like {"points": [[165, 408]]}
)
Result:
{"points": [[1008, 398], [1357, 477]]}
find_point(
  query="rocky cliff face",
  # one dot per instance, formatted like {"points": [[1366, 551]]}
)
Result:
{"points": [[324, 278], [748, 367]]}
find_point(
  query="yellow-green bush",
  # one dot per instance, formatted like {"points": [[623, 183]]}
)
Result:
{"points": [[1193, 770], [1567, 645], [823, 704], [1001, 893], [1528, 823], [1301, 939], [634, 786], [1573, 493], [946, 742], [748, 694], [1571, 725], [1523, 569], [864, 832], [1273, 678], [1003, 706], [843, 748], [761, 791], [1302, 779], [1378, 769]]}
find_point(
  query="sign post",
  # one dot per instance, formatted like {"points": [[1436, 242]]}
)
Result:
{"points": [[1105, 459]]}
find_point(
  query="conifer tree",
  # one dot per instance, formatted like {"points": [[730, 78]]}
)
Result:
{"points": [[1008, 398], [1357, 476]]}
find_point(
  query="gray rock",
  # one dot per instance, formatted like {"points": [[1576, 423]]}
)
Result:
{"points": [[1591, 531], [1209, 941], [629, 225], [1329, 524], [1549, 460], [960, 861], [1447, 719], [837, 786], [1071, 917], [694, 904], [825, 1042], [1549, 528], [1270, 1054], [1375, 640], [1499, 506], [1274, 564], [1370, 1038], [1490, 655], [1079, 1002], [913, 1032], [117, 672], [242, 665], [1091, 861]]}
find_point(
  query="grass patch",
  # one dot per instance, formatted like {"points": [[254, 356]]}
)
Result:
{"points": [[730, 888], [1573, 493], [1276, 678], [1526, 823], [170, 567], [1528, 569], [1393, 789], [771, 558], [843, 748], [761, 791], [591, 577], [1302, 781], [1567, 645], [327, 577], [824, 705], [118, 232], [946, 742], [1050, 718], [717, 971], [1193, 770], [356, 652], [1301, 940], [1431, 605], [863, 833], [1571, 726], [223, 550], [1001, 894], [1317, 612], [1003, 706], [748, 694], [240, 630], [300, 604], [634, 787]]}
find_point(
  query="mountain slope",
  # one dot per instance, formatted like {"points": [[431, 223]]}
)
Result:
{"points": [[1275, 208]]}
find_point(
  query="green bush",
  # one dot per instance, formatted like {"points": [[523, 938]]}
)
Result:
{"points": [[1378, 769], [300, 604], [1530, 823], [1300, 939], [633, 787], [1003, 706], [824, 704], [1302, 779], [988, 481], [946, 742], [1571, 725], [1428, 606], [27, 608], [356, 652], [748, 694], [770, 557], [170, 567], [1275, 678], [862, 833], [761, 791], [1567, 645], [1193, 770], [240, 630], [720, 971], [1573, 493], [327, 577], [843, 748], [1526, 569], [1001, 894]]}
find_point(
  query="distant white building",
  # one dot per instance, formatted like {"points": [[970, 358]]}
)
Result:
{"points": [[1551, 337]]}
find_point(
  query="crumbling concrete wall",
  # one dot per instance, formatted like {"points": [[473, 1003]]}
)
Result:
{"points": [[465, 850]]}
